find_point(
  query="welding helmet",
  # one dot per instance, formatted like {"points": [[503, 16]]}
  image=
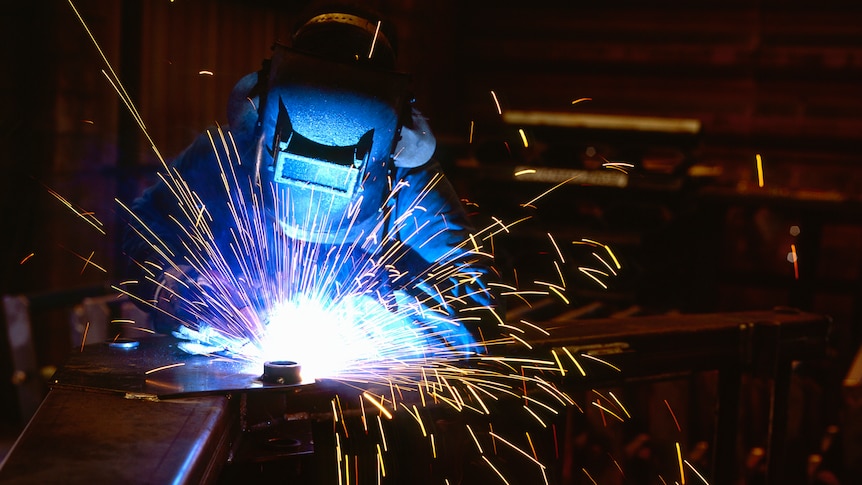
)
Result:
{"points": [[328, 115], [327, 130]]}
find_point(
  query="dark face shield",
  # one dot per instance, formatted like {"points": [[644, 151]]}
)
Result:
{"points": [[305, 163], [329, 129]]}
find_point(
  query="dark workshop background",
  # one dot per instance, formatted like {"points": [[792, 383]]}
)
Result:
{"points": [[695, 231]]}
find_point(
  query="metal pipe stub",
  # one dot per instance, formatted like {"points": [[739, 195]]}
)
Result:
{"points": [[281, 372]]}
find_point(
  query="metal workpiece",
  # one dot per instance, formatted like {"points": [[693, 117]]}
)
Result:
{"points": [[281, 372], [157, 367], [87, 436]]}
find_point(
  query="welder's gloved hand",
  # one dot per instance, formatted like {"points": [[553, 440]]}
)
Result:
{"points": [[208, 340], [359, 274], [174, 299], [444, 333]]}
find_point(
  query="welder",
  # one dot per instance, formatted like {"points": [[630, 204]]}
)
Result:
{"points": [[326, 141]]}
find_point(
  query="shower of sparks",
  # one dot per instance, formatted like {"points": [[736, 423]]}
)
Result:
{"points": [[401, 356], [759, 170]]}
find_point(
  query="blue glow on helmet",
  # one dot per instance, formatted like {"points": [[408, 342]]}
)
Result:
{"points": [[329, 129]]}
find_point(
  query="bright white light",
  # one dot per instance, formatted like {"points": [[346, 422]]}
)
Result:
{"points": [[333, 339]]}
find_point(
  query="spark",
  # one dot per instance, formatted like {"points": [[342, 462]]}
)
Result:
{"points": [[620, 404], [581, 100], [560, 364], [795, 261], [475, 440], [605, 263], [519, 450], [605, 409], [88, 261], [536, 327], [488, 462], [382, 434], [496, 103], [521, 341], [621, 166], [536, 416], [617, 464], [602, 362], [164, 367], [523, 138], [470, 137], [681, 469], [692, 468], [205, 73], [525, 171], [380, 461], [759, 170], [86, 215], [589, 476], [84, 338], [377, 405], [564, 182], [591, 272], [673, 415], [578, 365], [374, 40], [27, 258], [560, 273], [557, 248]]}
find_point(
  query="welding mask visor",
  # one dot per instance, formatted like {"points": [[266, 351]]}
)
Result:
{"points": [[329, 129]]}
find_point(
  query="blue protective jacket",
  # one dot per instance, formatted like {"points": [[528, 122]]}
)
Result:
{"points": [[204, 211]]}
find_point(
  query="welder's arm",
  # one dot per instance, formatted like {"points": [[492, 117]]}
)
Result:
{"points": [[153, 238], [445, 265]]}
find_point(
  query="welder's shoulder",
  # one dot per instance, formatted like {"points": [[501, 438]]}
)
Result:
{"points": [[211, 146]]}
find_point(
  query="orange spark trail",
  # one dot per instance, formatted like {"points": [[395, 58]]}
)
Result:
{"points": [[678, 428], [795, 261], [164, 367], [759, 170]]}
